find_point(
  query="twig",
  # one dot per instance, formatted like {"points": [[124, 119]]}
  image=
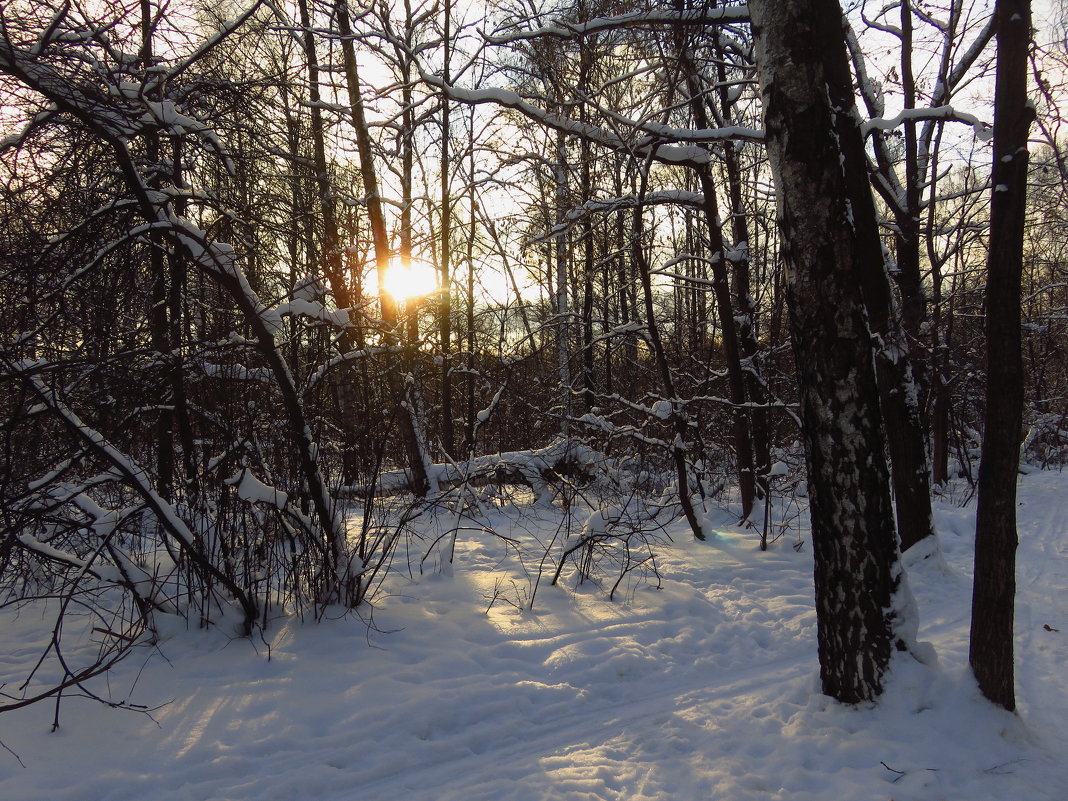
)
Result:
{"points": [[17, 759]]}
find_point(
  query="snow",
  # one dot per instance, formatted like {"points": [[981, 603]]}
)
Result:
{"points": [[983, 130], [565, 29], [663, 409], [682, 155], [705, 688], [251, 489], [778, 469], [309, 288], [34, 544], [312, 309]]}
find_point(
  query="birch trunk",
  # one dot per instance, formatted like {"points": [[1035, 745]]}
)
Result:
{"points": [[830, 237]]}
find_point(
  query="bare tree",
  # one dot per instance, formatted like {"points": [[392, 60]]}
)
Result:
{"points": [[238, 513]]}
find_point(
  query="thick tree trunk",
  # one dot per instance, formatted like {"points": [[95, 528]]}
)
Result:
{"points": [[898, 388], [830, 238], [993, 595], [900, 359]]}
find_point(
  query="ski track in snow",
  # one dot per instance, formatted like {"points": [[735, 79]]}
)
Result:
{"points": [[704, 689]]}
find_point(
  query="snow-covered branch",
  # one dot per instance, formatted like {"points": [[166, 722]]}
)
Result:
{"points": [[563, 29], [676, 197], [651, 139], [983, 130]]}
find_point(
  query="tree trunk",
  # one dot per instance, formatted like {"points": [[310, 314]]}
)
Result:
{"points": [[830, 238], [901, 365], [469, 303], [414, 445], [175, 310], [721, 288], [909, 279], [563, 311], [158, 323], [667, 384], [900, 360], [448, 434], [755, 387], [586, 194], [990, 653], [940, 399]]}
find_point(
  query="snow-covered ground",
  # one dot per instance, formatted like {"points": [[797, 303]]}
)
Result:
{"points": [[703, 689]]}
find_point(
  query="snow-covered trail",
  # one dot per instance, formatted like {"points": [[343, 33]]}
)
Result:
{"points": [[1042, 601], [704, 689]]}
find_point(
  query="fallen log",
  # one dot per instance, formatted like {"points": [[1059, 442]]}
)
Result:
{"points": [[537, 469]]}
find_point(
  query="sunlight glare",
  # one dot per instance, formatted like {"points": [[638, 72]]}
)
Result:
{"points": [[415, 279]]}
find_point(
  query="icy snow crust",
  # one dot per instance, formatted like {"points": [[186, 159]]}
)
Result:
{"points": [[704, 689]]}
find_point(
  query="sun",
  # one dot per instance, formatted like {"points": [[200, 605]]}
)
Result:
{"points": [[414, 279]]}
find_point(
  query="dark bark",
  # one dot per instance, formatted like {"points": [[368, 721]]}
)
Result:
{"points": [[749, 348], [177, 291], [448, 433], [903, 372], [900, 359], [469, 307], [743, 442], [909, 279], [667, 384], [941, 334], [901, 365], [990, 653], [742, 388], [331, 247], [413, 445], [330, 250], [899, 393], [561, 252], [586, 227], [830, 240], [158, 318]]}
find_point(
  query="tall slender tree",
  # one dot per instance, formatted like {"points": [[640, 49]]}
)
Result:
{"points": [[408, 398], [990, 653]]}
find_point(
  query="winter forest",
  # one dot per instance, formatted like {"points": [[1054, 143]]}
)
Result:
{"points": [[586, 399]]}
